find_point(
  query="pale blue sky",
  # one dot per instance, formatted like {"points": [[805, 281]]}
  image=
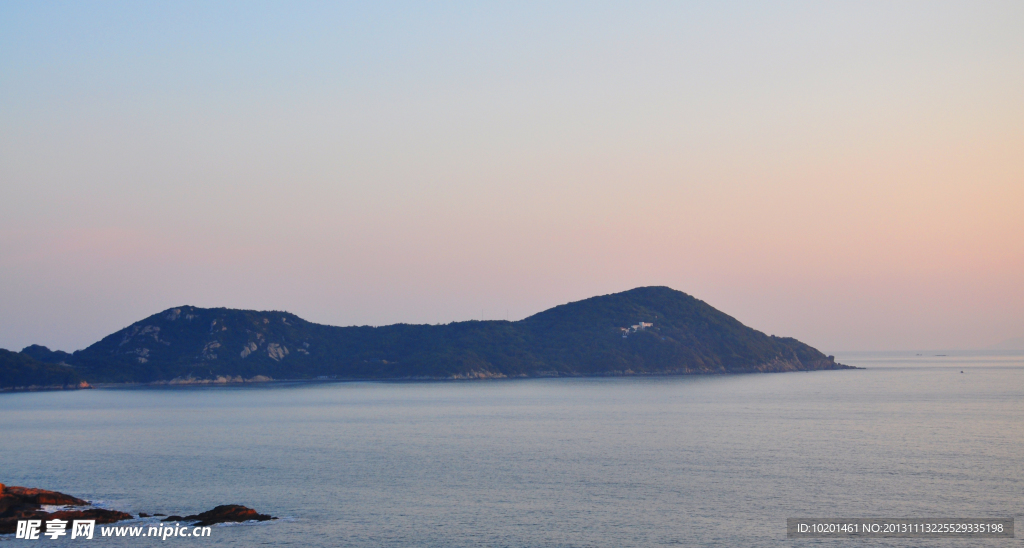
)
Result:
{"points": [[846, 173]]}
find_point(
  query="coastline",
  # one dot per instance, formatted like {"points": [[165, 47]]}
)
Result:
{"points": [[481, 376], [48, 388]]}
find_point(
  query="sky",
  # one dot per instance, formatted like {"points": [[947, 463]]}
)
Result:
{"points": [[847, 173]]}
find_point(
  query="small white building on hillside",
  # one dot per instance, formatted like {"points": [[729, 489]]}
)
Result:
{"points": [[634, 328]]}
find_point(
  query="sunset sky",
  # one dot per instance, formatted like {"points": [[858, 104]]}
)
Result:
{"points": [[849, 174]]}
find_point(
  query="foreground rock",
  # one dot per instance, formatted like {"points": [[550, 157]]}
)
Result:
{"points": [[40, 496], [226, 513], [23, 503]]}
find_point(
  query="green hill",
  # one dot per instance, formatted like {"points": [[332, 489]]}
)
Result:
{"points": [[18, 371], [580, 338]]}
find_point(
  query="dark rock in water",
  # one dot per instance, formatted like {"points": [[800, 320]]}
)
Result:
{"points": [[235, 513], [42, 496], [228, 513], [23, 503], [159, 515], [98, 514]]}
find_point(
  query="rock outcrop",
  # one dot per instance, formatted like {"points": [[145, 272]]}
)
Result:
{"points": [[225, 513], [24, 503], [41, 496]]}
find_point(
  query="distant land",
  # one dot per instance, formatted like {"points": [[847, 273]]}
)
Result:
{"points": [[643, 331], [18, 370]]}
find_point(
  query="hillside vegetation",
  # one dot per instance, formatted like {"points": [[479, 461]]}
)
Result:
{"points": [[18, 371], [580, 338]]}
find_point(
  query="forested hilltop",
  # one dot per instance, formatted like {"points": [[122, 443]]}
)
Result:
{"points": [[644, 331], [18, 370]]}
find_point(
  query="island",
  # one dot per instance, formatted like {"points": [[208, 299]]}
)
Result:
{"points": [[643, 331]]}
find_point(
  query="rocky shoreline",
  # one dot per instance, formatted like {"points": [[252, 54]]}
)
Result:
{"points": [[26, 503], [774, 367], [47, 387]]}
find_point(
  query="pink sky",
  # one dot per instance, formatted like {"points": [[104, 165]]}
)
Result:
{"points": [[852, 176]]}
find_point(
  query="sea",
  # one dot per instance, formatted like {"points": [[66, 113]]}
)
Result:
{"points": [[719, 460]]}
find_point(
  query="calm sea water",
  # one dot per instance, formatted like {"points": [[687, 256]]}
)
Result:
{"points": [[691, 461]]}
